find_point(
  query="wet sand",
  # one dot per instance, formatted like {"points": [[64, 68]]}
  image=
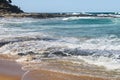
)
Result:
{"points": [[50, 75], [9, 77], [10, 70]]}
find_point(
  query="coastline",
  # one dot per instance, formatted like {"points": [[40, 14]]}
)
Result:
{"points": [[58, 45], [42, 15], [46, 69], [50, 15]]}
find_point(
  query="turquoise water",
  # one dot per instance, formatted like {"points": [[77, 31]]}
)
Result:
{"points": [[95, 40], [93, 28]]}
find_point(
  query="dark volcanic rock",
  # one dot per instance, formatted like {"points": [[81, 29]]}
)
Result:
{"points": [[7, 8]]}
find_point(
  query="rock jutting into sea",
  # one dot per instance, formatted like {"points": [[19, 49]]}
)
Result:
{"points": [[7, 8]]}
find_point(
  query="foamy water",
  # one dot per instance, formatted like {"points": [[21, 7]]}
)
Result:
{"points": [[93, 40]]}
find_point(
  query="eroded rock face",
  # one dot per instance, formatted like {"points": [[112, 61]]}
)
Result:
{"points": [[6, 7]]}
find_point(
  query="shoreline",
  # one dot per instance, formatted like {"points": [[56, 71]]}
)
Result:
{"points": [[50, 15], [23, 48], [9, 69]]}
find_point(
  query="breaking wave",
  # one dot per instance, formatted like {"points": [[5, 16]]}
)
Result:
{"points": [[94, 51], [95, 45]]}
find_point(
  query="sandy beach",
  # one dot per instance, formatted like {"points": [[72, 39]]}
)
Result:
{"points": [[10, 70]]}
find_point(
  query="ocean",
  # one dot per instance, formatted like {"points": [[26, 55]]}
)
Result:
{"points": [[69, 44]]}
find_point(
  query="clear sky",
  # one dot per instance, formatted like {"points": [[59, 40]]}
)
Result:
{"points": [[68, 5]]}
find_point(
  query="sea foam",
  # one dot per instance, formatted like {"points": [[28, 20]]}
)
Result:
{"points": [[96, 42]]}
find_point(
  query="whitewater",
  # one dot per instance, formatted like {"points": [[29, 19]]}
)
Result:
{"points": [[89, 40]]}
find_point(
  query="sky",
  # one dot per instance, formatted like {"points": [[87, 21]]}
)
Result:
{"points": [[68, 5]]}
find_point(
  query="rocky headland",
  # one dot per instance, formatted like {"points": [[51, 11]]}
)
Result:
{"points": [[9, 10]]}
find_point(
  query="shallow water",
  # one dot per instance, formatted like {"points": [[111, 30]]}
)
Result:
{"points": [[93, 40]]}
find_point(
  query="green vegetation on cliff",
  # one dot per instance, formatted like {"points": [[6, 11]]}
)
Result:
{"points": [[6, 7]]}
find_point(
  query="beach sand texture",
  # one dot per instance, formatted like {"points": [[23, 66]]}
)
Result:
{"points": [[10, 70]]}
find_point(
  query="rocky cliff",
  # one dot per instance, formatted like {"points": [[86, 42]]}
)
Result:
{"points": [[7, 8]]}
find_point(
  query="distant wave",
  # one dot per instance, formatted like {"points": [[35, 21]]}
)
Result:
{"points": [[17, 21], [88, 20], [77, 18]]}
